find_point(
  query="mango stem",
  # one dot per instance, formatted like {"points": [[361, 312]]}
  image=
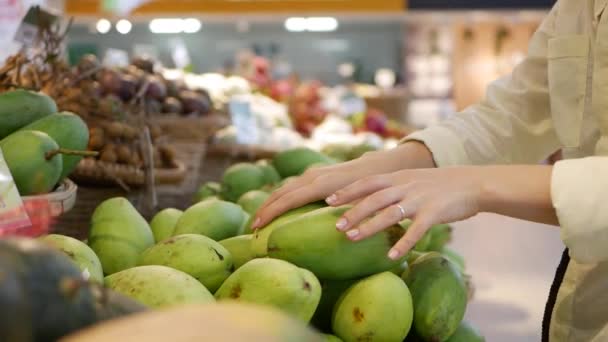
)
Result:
{"points": [[50, 154]]}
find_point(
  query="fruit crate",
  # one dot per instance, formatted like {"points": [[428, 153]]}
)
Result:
{"points": [[221, 156]]}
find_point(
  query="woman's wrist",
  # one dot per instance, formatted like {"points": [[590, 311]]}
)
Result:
{"points": [[411, 155], [518, 191]]}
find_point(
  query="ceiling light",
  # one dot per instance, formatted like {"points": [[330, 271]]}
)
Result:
{"points": [[321, 24], [166, 25], [191, 25], [124, 26], [103, 26], [295, 24]]}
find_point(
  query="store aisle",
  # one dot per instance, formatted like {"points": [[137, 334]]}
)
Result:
{"points": [[512, 263]]}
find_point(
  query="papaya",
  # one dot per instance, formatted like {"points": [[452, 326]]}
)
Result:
{"points": [[118, 235], [312, 241], [331, 291], [213, 218], [163, 223], [439, 294], [239, 179], [42, 293], [69, 131], [466, 333], [295, 161], [376, 308], [19, 108], [210, 322], [275, 283], [240, 249], [197, 255], [271, 176], [259, 244], [81, 254], [29, 157], [158, 286]]}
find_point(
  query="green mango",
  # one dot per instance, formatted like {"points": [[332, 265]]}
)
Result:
{"points": [[163, 223], [423, 244], [25, 153], [241, 178], [213, 218], [119, 234], [197, 255], [252, 201], [454, 257], [69, 131], [240, 249], [466, 333], [19, 108], [259, 244], [441, 234], [331, 291], [207, 190], [271, 176], [440, 296], [275, 283], [159, 286], [81, 254], [313, 242], [331, 338], [377, 308], [295, 161]]}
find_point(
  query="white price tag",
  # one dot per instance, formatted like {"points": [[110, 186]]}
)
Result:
{"points": [[243, 120]]}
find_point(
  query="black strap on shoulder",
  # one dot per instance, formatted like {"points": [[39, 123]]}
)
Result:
{"points": [[557, 283]]}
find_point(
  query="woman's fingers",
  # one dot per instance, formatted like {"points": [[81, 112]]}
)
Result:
{"points": [[387, 217], [368, 207], [359, 189], [421, 224]]}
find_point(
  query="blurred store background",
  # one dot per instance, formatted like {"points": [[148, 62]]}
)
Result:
{"points": [[338, 69]]}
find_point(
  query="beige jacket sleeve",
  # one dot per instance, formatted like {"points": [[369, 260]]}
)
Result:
{"points": [[511, 125]]}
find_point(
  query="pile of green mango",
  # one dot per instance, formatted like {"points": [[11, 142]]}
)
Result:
{"points": [[299, 264], [41, 147]]}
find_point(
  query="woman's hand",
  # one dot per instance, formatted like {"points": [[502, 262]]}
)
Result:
{"points": [[318, 183], [434, 196]]}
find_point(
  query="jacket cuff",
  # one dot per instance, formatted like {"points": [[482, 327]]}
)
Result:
{"points": [[446, 147], [579, 196]]}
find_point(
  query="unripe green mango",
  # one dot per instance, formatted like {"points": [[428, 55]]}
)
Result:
{"points": [[239, 179], [119, 234], [240, 249], [207, 190], [295, 161], [259, 244], [159, 286], [163, 223], [25, 153], [213, 218], [81, 254], [331, 338], [439, 294], [271, 176], [377, 308], [331, 291], [69, 131], [466, 333], [197, 255], [275, 283], [312, 241], [440, 234], [19, 108], [251, 201]]}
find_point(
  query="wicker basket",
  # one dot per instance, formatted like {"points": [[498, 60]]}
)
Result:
{"points": [[221, 156], [176, 128], [61, 200]]}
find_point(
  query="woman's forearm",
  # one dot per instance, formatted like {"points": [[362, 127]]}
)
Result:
{"points": [[522, 192], [411, 155]]}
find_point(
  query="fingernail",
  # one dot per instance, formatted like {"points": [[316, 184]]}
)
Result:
{"points": [[352, 233], [331, 199], [341, 224], [256, 223], [393, 254]]}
